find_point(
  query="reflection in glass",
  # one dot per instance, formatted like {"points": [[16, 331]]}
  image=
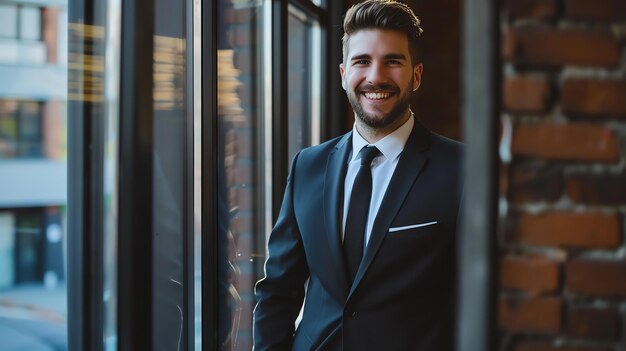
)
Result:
{"points": [[33, 177], [304, 90], [169, 176], [110, 167], [244, 155], [241, 238], [197, 173]]}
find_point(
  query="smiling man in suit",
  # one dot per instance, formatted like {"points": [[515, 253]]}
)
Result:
{"points": [[369, 218]]}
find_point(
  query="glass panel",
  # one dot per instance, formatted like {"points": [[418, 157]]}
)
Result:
{"points": [[298, 63], [197, 173], [169, 175], [30, 130], [110, 181], [28, 248], [8, 21], [304, 44], [240, 124], [7, 250], [30, 23], [8, 128]]}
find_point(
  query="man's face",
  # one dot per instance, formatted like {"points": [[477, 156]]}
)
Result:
{"points": [[378, 76]]}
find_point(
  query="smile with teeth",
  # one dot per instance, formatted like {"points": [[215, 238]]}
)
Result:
{"points": [[377, 96]]}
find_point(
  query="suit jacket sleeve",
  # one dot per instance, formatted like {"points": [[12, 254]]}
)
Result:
{"points": [[281, 292]]}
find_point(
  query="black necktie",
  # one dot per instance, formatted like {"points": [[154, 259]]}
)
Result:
{"points": [[356, 221]]}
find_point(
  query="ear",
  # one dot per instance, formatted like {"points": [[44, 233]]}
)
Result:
{"points": [[342, 71], [417, 76]]}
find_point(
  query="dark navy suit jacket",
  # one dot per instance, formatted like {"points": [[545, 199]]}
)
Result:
{"points": [[403, 295]]}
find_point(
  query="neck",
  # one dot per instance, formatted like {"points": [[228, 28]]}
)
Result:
{"points": [[372, 135]]}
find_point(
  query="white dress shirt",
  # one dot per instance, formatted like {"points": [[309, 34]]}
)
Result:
{"points": [[383, 166]]}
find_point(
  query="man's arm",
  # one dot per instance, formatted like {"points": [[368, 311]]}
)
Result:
{"points": [[281, 292]]}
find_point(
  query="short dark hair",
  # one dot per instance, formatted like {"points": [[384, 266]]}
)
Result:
{"points": [[383, 14]]}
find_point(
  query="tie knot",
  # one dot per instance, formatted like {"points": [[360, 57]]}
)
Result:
{"points": [[368, 153]]}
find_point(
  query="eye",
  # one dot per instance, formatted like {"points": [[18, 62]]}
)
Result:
{"points": [[394, 62], [361, 62]]}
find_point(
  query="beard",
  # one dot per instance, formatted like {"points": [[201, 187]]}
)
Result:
{"points": [[381, 120]]}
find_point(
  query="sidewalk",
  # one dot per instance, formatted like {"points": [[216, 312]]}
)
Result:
{"points": [[33, 318]]}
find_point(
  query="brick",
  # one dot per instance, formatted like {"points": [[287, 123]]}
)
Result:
{"points": [[246, 94], [594, 97], [241, 35], [242, 224], [596, 278], [246, 144], [593, 323], [238, 16], [543, 346], [503, 179], [245, 198], [50, 24], [597, 10], [52, 124], [561, 47], [244, 61], [526, 94], [583, 230], [597, 189], [535, 184], [245, 282], [580, 141], [532, 274], [245, 174], [537, 315], [539, 9]]}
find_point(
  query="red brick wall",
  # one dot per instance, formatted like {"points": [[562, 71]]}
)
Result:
{"points": [[50, 24], [563, 263]]}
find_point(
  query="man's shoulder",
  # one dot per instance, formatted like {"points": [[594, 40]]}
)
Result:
{"points": [[325, 148], [445, 144], [445, 152]]}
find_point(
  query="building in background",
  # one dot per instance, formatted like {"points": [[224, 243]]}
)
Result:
{"points": [[33, 128]]}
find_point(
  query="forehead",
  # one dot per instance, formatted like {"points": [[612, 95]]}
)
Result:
{"points": [[377, 42]]}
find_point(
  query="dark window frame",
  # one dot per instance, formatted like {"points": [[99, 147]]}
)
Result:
{"points": [[476, 256], [84, 202]]}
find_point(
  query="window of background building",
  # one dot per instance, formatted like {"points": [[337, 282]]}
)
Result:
{"points": [[22, 29], [30, 23], [20, 129], [33, 175], [8, 21], [20, 22]]}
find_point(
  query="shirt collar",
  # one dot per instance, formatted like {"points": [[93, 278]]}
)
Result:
{"points": [[390, 146]]}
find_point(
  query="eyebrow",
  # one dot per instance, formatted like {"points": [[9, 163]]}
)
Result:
{"points": [[386, 57]]}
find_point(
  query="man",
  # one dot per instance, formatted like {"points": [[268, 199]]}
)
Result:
{"points": [[369, 218]]}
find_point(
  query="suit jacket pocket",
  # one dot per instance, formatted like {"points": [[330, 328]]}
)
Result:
{"points": [[412, 228]]}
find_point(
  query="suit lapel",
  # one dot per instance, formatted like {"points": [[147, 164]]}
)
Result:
{"points": [[336, 168], [411, 162]]}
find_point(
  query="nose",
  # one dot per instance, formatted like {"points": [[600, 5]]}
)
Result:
{"points": [[376, 74]]}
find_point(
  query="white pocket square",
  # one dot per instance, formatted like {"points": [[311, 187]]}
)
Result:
{"points": [[406, 227]]}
